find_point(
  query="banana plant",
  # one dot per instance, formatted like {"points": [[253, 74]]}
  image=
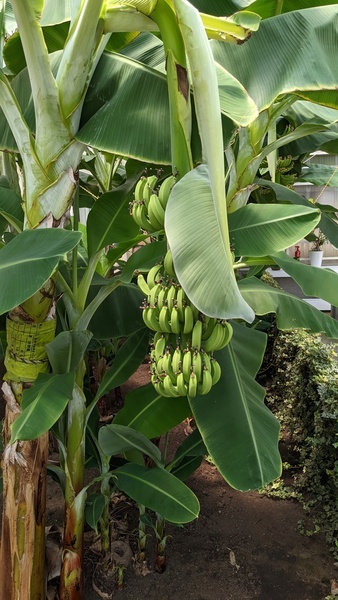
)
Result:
{"points": [[70, 94]]}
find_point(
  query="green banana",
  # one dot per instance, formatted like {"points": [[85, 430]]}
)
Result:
{"points": [[196, 336], [171, 296], [176, 361], [158, 335], [158, 385], [141, 218], [151, 319], [164, 319], [188, 319], [160, 347], [227, 334], [168, 264], [142, 284], [153, 294], [182, 387], [152, 275], [139, 189], [216, 371], [215, 339], [208, 327], [180, 300], [155, 216], [165, 189], [206, 360], [161, 297], [169, 387], [197, 365], [205, 386], [186, 364], [149, 188], [192, 387], [175, 321]]}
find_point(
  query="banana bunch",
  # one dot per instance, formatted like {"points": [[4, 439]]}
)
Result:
{"points": [[178, 369], [148, 207], [181, 359]]}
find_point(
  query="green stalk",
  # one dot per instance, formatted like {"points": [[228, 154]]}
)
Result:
{"points": [[71, 580], [78, 55], [279, 7], [178, 88], [51, 132]]}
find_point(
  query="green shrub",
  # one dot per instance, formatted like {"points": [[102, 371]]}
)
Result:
{"points": [[301, 376]]}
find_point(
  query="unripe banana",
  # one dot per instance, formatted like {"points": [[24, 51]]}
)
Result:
{"points": [[188, 319], [150, 318], [175, 323], [169, 387], [161, 297], [206, 360], [171, 296], [215, 339], [164, 319], [168, 264], [180, 299], [197, 365], [142, 284], [186, 364], [176, 361], [205, 386], [154, 213], [153, 294], [158, 385], [158, 335], [216, 371], [208, 327], [141, 218], [152, 275], [149, 189], [160, 347], [182, 387], [192, 388], [196, 336], [140, 188], [195, 311], [165, 189], [227, 334]]}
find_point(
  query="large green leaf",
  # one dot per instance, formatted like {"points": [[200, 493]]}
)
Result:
{"points": [[120, 82], [109, 221], [10, 209], [146, 411], [42, 405], [192, 446], [260, 230], [117, 439], [291, 311], [67, 349], [240, 432], [127, 360], [119, 315], [322, 283], [320, 174], [283, 194], [158, 490], [29, 260], [199, 242], [281, 64]]}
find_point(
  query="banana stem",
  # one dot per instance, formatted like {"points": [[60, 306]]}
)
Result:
{"points": [[178, 88]]}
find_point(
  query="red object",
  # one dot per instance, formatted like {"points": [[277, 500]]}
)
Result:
{"points": [[297, 253]]}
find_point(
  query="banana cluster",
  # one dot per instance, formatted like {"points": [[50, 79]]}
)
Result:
{"points": [[181, 358], [177, 368], [149, 205]]}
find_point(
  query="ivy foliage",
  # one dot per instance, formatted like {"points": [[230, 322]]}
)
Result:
{"points": [[301, 375]]}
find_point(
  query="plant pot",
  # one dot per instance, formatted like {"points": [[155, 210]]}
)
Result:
{"points": [[316, 257]]}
